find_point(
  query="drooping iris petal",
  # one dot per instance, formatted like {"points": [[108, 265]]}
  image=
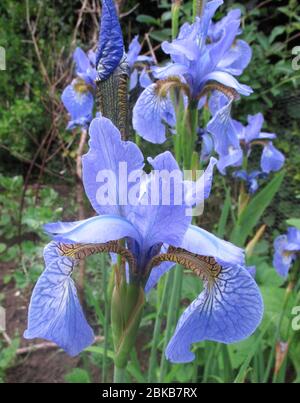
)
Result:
{"points": [[79, 102], [134, 78], [251, 179], [228, 310], [111, 46], [99, 229], [145, 79], [229, 81], [109, 156], [225, 136], [55, 313], [293, 237], [282, 259], [151, 114], [201, 242], [234, 158], [271, 159], [207, 147]]}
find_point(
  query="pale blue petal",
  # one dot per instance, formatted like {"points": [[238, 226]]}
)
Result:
{"points": [[99, 229], [228, 80], [282, 261], [170, 70], [201, 242], [133, 51], [159, 220], [271, 159], [79, 104], [227, 311], [108, 152], [55, 313], [145, 79], [151, 114], [236, 59]]}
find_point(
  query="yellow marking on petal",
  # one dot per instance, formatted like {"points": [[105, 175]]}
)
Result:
{"points": [[81, 251], [204, 267]]}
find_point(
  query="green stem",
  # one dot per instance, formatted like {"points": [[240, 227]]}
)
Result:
{"points": [[277, 335], [119, 375], [171, 317], [175, 17], [157, 328], [198, 7], [106, 315]]}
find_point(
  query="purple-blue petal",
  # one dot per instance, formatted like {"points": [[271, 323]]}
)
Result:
{"points": [[79, 104], [111, 46], [151, 114], [271, 159], [55, 313], [227, 311], [108, 153], [99, 229]]}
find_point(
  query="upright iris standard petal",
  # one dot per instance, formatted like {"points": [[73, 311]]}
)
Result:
{"points": [[109, 153], [228, 310], [55, 313], [237, 58], [152, 113], [200, 190], [133, 51], [111, 46], [95, 230], [79, 102], [293, 237], [271, 159], [162, 220]]}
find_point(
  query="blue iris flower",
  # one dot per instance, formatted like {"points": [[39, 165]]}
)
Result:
{"points": [[154, 235], [197, 62], [251, 179], [286, 248], [232, 139], [133, 58], [78, 97]]}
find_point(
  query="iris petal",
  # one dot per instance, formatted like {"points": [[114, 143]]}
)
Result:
{"points": [[99, 229], [109, 153], [202, 242], [55, 313], [151, 114], [227, 311]]}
